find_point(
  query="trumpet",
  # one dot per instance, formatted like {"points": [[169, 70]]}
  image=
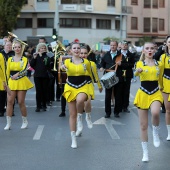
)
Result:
{"points": [[59, 50], [11, 36]]}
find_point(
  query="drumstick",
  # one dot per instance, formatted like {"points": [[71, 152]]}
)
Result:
{"points": [[114, 64]]}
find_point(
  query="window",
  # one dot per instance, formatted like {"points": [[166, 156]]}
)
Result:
{"points": [[161, 24], [24, 23], [134, 23], [154, 25], [147, 3], [146, 24], [134, 2], [45, 23], [103, 24], [42, 0], [110, 2], [155, 4], [162, 3], [75, 23], [76, 2], [117, 24]]}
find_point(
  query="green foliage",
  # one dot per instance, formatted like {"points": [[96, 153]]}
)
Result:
{"points": [[10, 9], [108, 39], [144, 39]]}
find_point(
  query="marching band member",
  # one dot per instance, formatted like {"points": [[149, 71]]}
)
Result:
{"points": [[165, 59], [87, 107], [76, 90], [112, 61], [149, 96], [6, 53], [18, 83]]}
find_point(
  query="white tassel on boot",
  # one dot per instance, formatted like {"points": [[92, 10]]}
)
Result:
{"points": [[79, 122], [88, 120], [24, 123], [145, 152], [156, 140], [8, 125], [168, 128], [74, 141]]}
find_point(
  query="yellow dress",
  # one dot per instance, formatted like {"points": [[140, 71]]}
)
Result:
{"points": [[76, 79], [2, 72], [165, 59], [150, 78], [22, 82]]}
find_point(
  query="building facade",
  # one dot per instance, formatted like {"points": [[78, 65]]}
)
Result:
{"points": [[89, 21], [150, 18]]}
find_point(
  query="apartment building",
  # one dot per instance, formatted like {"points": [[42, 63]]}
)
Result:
{"points": [[150, 18], [89, 21]]}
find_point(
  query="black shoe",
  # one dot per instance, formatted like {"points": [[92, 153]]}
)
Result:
{"points": [[58, 100], [107, 116], [13, 114], [1, 114], [49, 103], [163, 111], [44, 108], [62, 114], [37, 109], [126, 110], [116, 115]]}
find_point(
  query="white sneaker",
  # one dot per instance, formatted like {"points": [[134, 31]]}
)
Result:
{"points": [[79, 122], [88, 120]]}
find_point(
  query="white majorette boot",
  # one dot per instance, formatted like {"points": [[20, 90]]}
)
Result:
{"points": [[79, 122], [156, 140], [168, 128], [24, 123], [74, 141], [78, 133], [88, 120], [8, 125], [145, 152]]}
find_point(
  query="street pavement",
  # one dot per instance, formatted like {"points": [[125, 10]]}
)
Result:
{"points": [[112, 144]]}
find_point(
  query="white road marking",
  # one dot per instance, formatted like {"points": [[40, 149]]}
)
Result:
{"points": [[38, 133], [108, 124]]}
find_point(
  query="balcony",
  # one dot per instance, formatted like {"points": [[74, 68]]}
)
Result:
{"points": [[127, 9]]}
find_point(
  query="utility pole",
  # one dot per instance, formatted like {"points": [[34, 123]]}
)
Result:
{"points": [[56, 18]]}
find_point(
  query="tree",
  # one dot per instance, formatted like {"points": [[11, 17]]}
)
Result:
{"points": [[108, 39], [10, 9]]}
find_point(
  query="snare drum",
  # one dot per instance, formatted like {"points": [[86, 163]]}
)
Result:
{"points": [[109, 80], [62, 76]]}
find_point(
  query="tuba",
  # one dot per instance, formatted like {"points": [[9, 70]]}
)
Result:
{"points": [[59, 49], [11, 36]]}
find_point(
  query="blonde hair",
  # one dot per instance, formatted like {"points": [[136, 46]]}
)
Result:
{"points": [[142, 57], [41, 45], [18, 42]]}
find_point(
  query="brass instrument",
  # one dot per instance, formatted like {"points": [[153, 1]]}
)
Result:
{"points": [[124, 73], [11, 36], [59, 49]]}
